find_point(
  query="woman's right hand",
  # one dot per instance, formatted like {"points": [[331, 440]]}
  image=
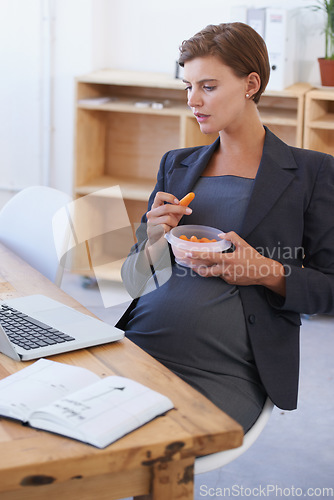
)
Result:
{"points": [[166, 212]]}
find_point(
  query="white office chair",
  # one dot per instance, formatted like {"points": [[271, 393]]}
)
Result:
{"points": [[217, 460], [26, 228]]}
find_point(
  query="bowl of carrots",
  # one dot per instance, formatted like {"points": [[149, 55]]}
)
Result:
{"points": [[191, 238]]}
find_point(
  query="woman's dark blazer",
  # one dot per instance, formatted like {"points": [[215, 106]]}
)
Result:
{"points": [[290, 218]]}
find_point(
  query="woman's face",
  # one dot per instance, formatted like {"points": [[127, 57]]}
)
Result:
{"points": [[215, 94]]}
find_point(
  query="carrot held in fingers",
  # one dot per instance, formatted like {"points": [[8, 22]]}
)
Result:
{"points": [[188, 198]]}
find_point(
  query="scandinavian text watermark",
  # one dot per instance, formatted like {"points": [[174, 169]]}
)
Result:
{"points": [[93, 235]]}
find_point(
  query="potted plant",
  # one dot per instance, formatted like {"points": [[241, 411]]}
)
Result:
{"points": [[326, 64]]}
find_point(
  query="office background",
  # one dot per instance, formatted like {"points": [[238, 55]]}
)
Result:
{"points": [[45, 44]]}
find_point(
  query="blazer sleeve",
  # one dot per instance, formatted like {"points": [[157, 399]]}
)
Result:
{"points": [[138, 274], [310, 288]]}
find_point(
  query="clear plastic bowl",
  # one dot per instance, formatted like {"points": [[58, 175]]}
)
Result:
{"points": [[181, 247]]}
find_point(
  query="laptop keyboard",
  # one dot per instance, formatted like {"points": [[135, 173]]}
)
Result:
{"points": [[27, 332]]}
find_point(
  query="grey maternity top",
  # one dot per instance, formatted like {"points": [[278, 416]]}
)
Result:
{"points": [[194, 325]]}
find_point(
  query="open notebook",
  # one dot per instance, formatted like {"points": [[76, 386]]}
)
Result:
{"points": [[77, 403], [36, 326]]}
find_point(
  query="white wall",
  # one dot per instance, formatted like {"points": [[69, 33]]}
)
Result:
{"points": [[78, 47], [20, 90], [146, 35], [44, 44]]}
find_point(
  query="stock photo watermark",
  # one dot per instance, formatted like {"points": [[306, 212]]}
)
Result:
{"points": [[94, 234], [269, 490]]}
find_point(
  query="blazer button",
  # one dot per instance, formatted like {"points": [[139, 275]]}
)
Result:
{"points": [[251, 319]]}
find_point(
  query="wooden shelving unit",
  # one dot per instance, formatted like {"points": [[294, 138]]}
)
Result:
{"points": [[319, 120], [283, 112], [126, 121]]}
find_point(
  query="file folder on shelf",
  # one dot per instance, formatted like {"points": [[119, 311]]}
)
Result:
{"points": [[278, 28]]}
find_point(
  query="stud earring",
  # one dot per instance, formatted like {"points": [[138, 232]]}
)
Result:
{"points": [[247, 95]]}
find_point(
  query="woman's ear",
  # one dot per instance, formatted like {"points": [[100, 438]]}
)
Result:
{"points": [[253, 84]]}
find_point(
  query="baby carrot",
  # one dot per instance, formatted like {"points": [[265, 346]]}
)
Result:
{"points": [[188, 198], [195, 239]]}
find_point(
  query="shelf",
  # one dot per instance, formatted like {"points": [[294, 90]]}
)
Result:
{"points": [[276, 116], [319, 120], [132, 188], [323, 94], [324, 122], [298, 89], [286, 117], [138, 105], [320, 140]]}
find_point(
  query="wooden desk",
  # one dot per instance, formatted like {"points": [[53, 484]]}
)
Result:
{"points": [[156, 460]]}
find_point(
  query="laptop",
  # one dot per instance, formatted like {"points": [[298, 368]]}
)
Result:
{"points": [[44, 327]]}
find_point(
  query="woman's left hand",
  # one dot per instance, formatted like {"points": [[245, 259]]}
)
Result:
{"points": [[245, 266]]}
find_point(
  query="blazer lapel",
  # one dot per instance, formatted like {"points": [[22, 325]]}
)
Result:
{"points": [[183, 176], [273, 177]]}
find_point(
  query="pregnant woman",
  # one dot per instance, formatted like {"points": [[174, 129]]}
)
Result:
{"points": [[229, 325]]}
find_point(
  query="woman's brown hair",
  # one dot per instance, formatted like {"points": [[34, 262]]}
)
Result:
{"points": [[237, 45]]}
